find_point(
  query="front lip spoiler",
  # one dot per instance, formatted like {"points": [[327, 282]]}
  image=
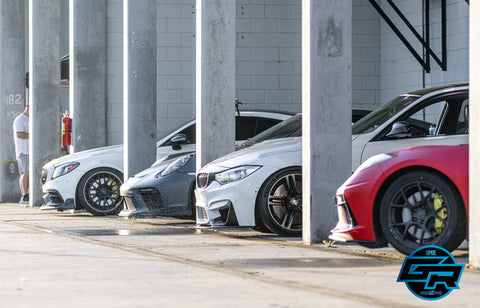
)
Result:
{"points": [[341, 237], [50, 205], [139, 212]]}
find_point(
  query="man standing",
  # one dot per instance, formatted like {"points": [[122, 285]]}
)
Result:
{"points": [[20, 131]]}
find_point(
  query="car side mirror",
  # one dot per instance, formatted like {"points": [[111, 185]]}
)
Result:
{"points": [[399, 130], [178, 140]]}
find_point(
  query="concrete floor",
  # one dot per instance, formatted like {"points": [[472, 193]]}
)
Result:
{"points": [[54, 259]]}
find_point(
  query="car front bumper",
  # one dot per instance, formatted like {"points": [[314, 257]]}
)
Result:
{"points": [[168, 196], [53, 201], [355, 208], [59, 193], [231, 204]]}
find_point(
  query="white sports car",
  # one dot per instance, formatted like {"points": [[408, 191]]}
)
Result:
{"points": [[261, 186], [91, 179]]}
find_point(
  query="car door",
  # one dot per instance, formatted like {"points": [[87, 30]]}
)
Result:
{"points": [[439, 121]]}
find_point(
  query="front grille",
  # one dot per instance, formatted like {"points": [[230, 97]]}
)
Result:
{"points": [[203, 180], [350, 218], [55, 197], [44, 175], [151, 197], [202, 215]]}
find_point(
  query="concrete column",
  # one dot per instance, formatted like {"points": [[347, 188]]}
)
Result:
{"points": [[87, 73], [474, 130], [12, 92], [140, 86], [326, 107], [215, 84], [44, 90]]}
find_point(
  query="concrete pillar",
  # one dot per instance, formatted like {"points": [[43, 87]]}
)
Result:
{"points": [[140, 86], [474, 130], [326, 107], [87, 73], [215, 83], [12, 92], [44, 90]]}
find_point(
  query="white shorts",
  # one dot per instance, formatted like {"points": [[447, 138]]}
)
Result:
{"points": [[22, 161]]}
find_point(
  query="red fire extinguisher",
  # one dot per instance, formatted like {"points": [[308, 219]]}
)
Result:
{"points": [[66, 130]]}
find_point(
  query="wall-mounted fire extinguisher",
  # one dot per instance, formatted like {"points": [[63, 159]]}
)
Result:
{"points": [[66, 130]]}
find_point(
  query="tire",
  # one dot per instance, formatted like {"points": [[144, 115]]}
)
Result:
{"points": [[422, 208], [98, 192], [279, 202]]}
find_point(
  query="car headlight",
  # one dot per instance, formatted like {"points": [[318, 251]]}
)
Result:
{"points": [[64, 169], [177, 164], [374, 160], [235, 174]]}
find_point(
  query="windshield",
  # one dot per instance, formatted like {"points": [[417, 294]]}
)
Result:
{"points": [[283, 129], [379, 116]]}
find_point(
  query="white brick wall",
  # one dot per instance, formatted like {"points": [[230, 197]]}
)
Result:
{"points": [[64, 36], [269, 57], [400, 72], [114, 77], [365, 55]]}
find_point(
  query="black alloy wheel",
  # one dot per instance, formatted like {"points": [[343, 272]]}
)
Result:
{"points": [[99, 192], [422, 208], [279, 202]]}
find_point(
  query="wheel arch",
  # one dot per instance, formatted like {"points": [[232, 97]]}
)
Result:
{"points": [[388, 181], [76, 203], [191, 197], [258, 222]]}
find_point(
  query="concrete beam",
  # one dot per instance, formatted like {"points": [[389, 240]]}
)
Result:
{"points": [[140, 86], [474, 130], [12, 91], [44, 91], [215, 83], [87, 73], [326, 107]]}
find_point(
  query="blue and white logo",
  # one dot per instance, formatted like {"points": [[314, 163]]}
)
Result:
{"points": [[431, 272]]}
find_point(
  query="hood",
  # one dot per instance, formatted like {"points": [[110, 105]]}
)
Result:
{"points": [[259, 154], [96, 154], [154, 169], [161, 165]]}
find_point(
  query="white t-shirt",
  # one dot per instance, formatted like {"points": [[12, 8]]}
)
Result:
{"points": [[20, 124]]}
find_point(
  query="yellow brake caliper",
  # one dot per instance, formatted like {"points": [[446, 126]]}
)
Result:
{"points": [[437, 203], [114, 186]]}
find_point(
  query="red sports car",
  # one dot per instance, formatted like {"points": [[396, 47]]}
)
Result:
{"points": [[410, 198]]}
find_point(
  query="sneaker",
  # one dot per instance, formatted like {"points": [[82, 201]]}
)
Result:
{"points": [[24, 200]]}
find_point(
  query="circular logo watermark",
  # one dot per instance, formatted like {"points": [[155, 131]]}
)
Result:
{"points": [[430, 272]]}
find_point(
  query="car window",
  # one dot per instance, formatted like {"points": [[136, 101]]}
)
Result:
{"points": [[462, 122], [247, 127], [379, 116], [456, 120], [287, 128], [264, 123], [445, 116], [244, 127], [424, 122]]}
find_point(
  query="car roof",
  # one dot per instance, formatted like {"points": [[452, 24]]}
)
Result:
{"points": [[425, 91], [265, 112]]}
